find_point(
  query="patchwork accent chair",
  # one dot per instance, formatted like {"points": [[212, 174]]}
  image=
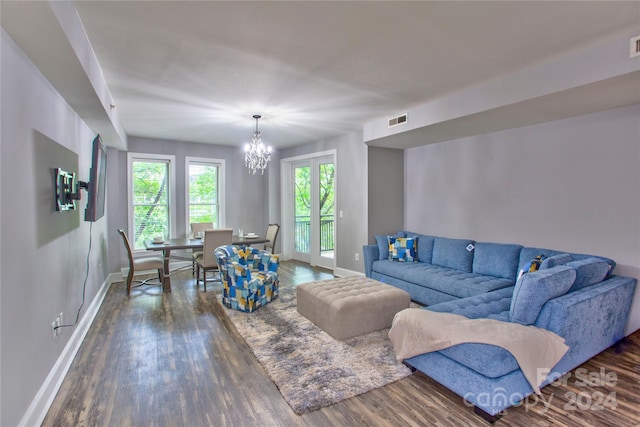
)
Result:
{"points": [[249, 277]]}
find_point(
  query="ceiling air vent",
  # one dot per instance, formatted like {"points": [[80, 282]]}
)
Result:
{"points": [[634, 47], [399, 120]]}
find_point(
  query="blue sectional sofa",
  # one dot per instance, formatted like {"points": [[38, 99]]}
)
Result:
{"points": [[589, 309]]}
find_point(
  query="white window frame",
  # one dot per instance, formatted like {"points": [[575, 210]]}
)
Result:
{"points": [[171, 192], [221, 187]]}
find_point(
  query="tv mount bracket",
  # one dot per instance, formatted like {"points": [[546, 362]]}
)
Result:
{"points": [[66, 190]]}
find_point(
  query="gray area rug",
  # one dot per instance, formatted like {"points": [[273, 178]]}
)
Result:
{"points": [[310, 368]]}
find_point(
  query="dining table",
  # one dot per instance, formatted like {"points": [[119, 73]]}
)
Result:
{"points": [[195, 243]]}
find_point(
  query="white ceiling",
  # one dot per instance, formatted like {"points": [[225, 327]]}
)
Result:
{"points": [[198, 71]]}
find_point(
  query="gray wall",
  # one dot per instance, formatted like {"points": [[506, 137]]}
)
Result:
{"points": [[43, 252], [351, 229], [386, 191], [246, 195], [572, 185]]}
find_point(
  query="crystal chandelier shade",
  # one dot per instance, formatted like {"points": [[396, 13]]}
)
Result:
{"points": [[257, 155]]}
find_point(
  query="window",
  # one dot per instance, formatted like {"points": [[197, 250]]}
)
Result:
{"points": [[151, 197], [205, 184]]}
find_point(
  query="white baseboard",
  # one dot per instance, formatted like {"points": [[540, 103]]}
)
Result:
{"points": [[343, 272], [44, 398]]}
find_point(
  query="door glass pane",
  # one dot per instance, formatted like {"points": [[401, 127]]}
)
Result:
{"points": [[302, 208], [327, 208], [150, 201]]}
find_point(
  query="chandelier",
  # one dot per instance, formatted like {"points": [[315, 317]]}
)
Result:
{"points": [[256, 154]]}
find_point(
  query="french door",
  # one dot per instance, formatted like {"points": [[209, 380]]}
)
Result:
{"points": [[311, 205]]}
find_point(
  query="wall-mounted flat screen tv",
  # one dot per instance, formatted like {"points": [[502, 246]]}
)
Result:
{"points": [[97, 181]]}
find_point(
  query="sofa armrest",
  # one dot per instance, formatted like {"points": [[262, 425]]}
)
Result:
{"points": [[370, 254], [590, 319]]}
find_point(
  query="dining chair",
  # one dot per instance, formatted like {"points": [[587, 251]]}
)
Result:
{"points": [[197, 227], [207, 261], [272, 235], [141, 264]]}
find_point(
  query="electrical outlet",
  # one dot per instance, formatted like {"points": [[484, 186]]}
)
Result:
{"points": [[357, 256], [54, 331], [55, 326]]}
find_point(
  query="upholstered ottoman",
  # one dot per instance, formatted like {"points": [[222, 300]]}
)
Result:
{"points": [[350, 306]]}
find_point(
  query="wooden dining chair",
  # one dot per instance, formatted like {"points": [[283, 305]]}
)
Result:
{"points": [[207, 261], [197, 227], [272, 236], [141, 264]]}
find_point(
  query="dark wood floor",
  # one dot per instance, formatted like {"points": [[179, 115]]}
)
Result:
{"points": [[176, 360]]}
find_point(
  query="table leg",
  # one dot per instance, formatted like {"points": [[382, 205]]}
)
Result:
{"points": [[166, 283]]}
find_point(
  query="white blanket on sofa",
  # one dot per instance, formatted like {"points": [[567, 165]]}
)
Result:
{"points": [[417, 331]]}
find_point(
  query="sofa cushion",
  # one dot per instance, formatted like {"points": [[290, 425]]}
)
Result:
{"points": [[402, 249], [463, 285], [490, 305], [453, 253], [425, 246], [533, 290], [409, 272], [612, 263], [552, 261], [496, 259], [442, 279], [528, 254], [589, 271], [383, 244], [488, 360]]}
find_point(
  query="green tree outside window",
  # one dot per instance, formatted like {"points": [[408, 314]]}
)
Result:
{"points": [[204, 203], [150, 201]]}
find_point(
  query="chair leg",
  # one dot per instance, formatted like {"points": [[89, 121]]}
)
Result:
{"points": [[197, 274], [193, 267], [161, 277], [204, 280], [129, 281]]}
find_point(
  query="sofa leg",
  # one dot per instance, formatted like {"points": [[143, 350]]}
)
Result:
{"points": [[619, 346], [486, 416], [409, 366]]}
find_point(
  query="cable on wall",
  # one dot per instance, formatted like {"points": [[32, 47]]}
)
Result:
{"points": [[84, 285]]}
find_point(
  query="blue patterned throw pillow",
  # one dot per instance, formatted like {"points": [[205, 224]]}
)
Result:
{"points": [[531, 266], [403, 249]]}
